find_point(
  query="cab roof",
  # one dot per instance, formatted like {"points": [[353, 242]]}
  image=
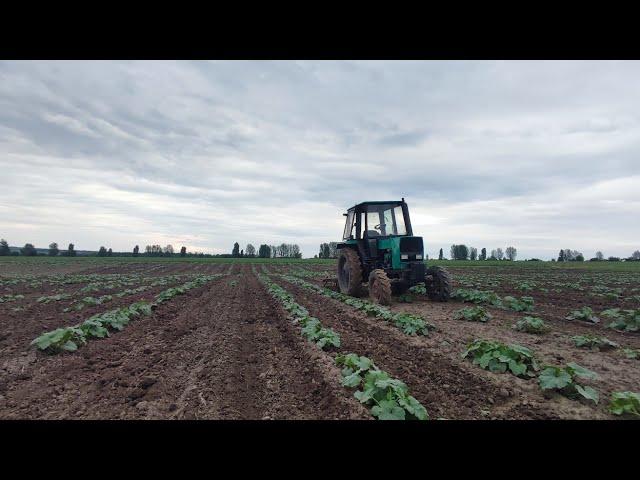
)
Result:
{"points": [[377, 202]]}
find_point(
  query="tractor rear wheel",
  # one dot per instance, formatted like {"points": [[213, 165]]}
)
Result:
{"points": [[380, 287], [349, 272], [438, 284]]}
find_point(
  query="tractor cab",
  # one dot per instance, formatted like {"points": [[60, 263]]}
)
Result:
{"points": [[378, 245]]}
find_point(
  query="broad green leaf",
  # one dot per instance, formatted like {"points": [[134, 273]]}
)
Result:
{"points": [[587, 392], [554, 378]]}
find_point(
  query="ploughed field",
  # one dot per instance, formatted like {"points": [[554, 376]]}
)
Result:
{"points": [[91, 338]]}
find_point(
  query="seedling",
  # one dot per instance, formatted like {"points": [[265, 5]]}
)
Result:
{"points": [[473, 314], [625, 320], [625, 403], [531, 325], [563, 379], [486, 297], [585, 314], [593, 342], [388, 397], [525, 304], [497, 357]]}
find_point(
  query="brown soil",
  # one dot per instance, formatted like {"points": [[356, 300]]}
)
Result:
{"points": [[208, 354], [228, 351]]}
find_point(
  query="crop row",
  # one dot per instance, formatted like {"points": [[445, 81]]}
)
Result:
{"points": [[409, 323], [388, 398], [97, 326]]}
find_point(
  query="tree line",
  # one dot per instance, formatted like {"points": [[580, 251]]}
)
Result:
{"points": [[328, 250], [284, 250], [287, 250], [462, 252]]}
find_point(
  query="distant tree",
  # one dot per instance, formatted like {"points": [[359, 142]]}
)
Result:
{"points": [[136, 251], [599, 256], [295, 251], [572, 255], [561, 256], [70, 250], [242, 253], [53, 249], [236, 250], [326, 250], [614, 259], [440, 255], [511, 253], [483, 254], [459, 252], [251, 250], [499, 254], [168, 250], [183, 251], [333, 249], [109, 252], [264, 251], [473, 253], [4, 248], [636, 255], [579, 258], [29, 250], [102, 252]]}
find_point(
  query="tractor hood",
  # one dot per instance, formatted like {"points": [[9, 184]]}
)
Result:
{"points": [[402, 249]]}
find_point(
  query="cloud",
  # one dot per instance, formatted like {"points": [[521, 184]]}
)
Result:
{"points": [[541, 155]]}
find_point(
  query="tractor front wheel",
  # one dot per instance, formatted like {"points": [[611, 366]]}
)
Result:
{"points": [[380, 287], [438, 284], [349, 272]]}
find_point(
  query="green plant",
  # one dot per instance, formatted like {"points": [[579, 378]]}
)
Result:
{"points": [[632, 353], [525, 304], [593, 342], [478, 296], [405, 298], [525, 286], [625, 403], [531, 325], [10, 298], [60, 339], [312, 329], [563, 379], [409, 323], [497, 357], [419, 289], [388, 397], [94, 328], [53, 298], [626, 320], [473, 314], [314, 332], [585, 314]]}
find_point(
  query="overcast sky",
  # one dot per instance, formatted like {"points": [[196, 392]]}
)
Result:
{"points": [[538, 155]]}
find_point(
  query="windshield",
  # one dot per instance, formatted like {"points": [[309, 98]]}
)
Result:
{"points": [[385, 219]]}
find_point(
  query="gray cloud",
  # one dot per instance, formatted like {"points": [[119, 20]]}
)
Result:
{"points": [[538, 154]]}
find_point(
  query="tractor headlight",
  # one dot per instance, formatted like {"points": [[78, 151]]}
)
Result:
{"points": [[404, 257], [418, 257]]}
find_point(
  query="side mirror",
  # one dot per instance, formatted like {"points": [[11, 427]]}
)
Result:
{"points": [[344, 214]]}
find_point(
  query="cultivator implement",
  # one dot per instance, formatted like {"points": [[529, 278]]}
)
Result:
{"points": [[331, 283]]}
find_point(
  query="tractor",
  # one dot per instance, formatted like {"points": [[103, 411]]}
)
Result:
{"points": [[378, 247]]}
